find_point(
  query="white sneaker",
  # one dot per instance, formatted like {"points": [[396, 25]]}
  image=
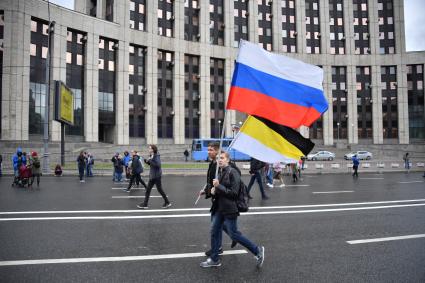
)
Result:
{"points": [[82, 181], [269, 185], [283, 185]]}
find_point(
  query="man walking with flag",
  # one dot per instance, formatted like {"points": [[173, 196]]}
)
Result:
{"points": [[225, 213]]}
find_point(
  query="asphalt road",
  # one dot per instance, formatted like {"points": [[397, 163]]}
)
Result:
{"points": [[67, 231]]}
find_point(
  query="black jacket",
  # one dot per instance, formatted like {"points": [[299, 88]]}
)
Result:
{"points": [[224, 200], [255, 165], [212, 167], [155, 167]]}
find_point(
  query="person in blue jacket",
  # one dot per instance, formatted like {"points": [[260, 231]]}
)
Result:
{"points": [[356, 163]]}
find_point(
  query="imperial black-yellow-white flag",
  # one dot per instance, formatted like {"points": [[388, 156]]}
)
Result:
{"points": [[271, 142]]}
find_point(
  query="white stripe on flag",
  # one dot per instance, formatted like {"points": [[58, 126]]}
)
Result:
{"points": [[279, 65], [256, 149]]}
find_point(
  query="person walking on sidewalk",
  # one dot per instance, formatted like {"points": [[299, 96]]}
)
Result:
{"points": [[81, 163], [356, 163], [225, 213], [155, 175], [186, 154], [35, 166], [406, 160], [136, 167], [255, 171]]}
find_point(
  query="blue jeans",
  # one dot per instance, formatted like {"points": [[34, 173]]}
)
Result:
{"points": [[231, 224], [89, 170], [270, 175], [118, 176], [257, 176]]}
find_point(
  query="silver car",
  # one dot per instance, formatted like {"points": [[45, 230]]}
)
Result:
{"points": [[361, 154], [321, 155]]}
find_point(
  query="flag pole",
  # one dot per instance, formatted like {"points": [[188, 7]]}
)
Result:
{"points": [[221, 142]]}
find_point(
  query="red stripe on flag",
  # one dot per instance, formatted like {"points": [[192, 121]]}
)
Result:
{"points": [[278, 111]]}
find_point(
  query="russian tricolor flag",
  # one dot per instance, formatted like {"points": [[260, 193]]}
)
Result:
{"points": [[278, 88]]}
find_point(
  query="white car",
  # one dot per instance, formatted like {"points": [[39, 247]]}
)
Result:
{"points": [[321, 155], [361, 154]]}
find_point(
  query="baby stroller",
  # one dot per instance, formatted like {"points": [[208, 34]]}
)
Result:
{"points": [[23, 178]]}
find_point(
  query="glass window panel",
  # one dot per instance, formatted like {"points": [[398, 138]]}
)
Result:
{"points": [[79, 59], [44, 52], [33, 50], [33, 26], [68, 57]]}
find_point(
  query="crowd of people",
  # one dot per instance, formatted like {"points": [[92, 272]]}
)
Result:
{"points": [[26, 168]]}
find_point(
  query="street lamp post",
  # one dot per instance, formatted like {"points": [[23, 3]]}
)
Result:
{"points": [[219, 128], [337, 124]]}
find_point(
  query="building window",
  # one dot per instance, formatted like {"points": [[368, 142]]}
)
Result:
{"points": [[217, 25], [165, 94], [138, 14], [166, 18], [312, 14], [137, 91], [389, 101], [192, 97], [339, 102], [75, 51], [361, 27], [265, 24], [289, 29], [38, 89], [364, 102], [191, 20], [415, 92], [217, 96], [241, 17], [107, 55], [337, 36], [109, 11], [386, 27]]}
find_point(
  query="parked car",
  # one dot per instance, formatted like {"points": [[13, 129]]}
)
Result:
{"points": [[361, 154], [321, 155]]}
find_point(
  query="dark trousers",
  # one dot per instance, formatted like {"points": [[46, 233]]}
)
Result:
{"points": [[138, 179], [81, 172], [257, 176], [157, 182], [355, 167], [38, 179]]}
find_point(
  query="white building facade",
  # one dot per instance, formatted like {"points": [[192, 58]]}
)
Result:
{"points": [[159, 71]]}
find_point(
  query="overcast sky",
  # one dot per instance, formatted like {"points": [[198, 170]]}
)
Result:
{"points": [[413, 14]]}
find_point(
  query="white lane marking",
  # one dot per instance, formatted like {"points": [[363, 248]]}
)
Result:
{"points": [[372, 178], [386, 239], [124, 188], [333, 192], [206, 214], [206, 208], [410, 182], [135, 196], [297, 186], [109, 259]]}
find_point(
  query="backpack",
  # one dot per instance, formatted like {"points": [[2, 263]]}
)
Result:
{"points": [[36, 163], [242, 199], [136, 165]]}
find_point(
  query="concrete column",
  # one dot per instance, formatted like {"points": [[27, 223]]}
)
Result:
{"points": [[91, 83], [300, 24], [325, 43], [378, 137], [328, 138], [121, 133], [253, 21], [352, 105], [152, 95], [100, 9], [277, 26], [399, 32], [402, 105], [16, 62], [57, 72], [178, 94], [349, 28], [204, 86]]}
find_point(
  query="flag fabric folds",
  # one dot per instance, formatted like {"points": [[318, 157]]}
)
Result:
{"points": [[281, 89], [271, 142]]}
